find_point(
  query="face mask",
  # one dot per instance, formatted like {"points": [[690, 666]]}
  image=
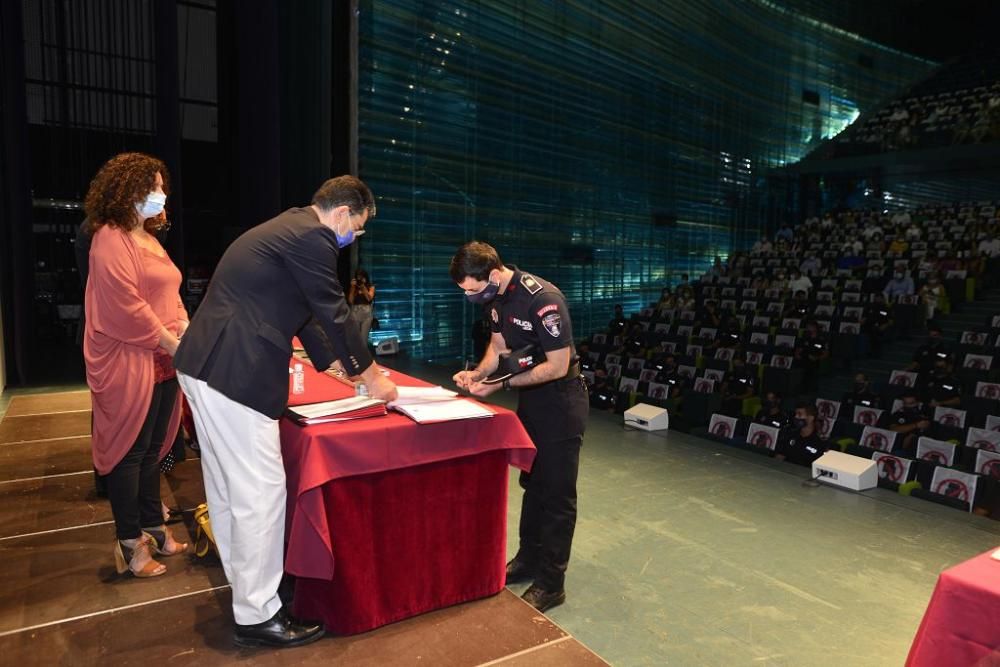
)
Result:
{"points": [[485, 295], [152, 206], [799, 422], [859, 387], [345, 239], [910, 408]]}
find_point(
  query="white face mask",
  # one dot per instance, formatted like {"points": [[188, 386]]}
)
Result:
{"points": [[152, 206]]}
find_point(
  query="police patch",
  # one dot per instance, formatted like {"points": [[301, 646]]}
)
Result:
{"points": [[552, 323]]}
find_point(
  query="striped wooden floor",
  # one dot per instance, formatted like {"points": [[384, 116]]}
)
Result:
{"points": [[61, 601]]}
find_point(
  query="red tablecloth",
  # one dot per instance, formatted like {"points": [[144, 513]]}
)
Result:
{"points": [[962, 623], [388, 518]]}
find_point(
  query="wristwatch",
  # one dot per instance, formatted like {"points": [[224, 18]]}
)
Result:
{"points": [[506, 384]]}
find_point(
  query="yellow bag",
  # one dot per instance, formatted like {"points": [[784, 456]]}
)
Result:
{"points": [[204, 540]]}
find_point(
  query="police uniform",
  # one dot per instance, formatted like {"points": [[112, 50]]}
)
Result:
{"points": [[532, 311]]}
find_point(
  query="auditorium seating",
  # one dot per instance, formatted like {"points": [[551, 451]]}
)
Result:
{"points": [[679, 357]]}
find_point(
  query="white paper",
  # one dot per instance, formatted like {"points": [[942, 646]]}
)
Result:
{"points": [[330, 408], [412, 395], [444, 410]]}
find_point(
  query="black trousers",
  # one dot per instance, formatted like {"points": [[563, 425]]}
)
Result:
{"points": [[555, 416], [134, 484]]}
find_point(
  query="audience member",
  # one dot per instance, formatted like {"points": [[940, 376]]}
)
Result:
{"points": [[805, 444], [911, 421]]}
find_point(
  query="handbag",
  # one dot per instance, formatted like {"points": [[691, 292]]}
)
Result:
{"points": [[204, 539]]}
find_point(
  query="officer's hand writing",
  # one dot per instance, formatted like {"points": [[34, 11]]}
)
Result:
{"points": [[465, 378], [483, 390], [382, 388]]}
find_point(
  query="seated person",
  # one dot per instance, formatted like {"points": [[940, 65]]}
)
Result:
{"points": [[799, 283], [770, 413], [943, 388], [877, 322], [797, 308], [664, 363], [805, 445], [812, 349], [666, 301], [602, 393], [927, 354], [861, 394], [911, 421], [738, 385], [616, 326], [678, 384], [709, 317]]}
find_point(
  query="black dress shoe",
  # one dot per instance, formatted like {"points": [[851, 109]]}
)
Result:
{"points": [[519, 571], [280, 631], [543, 600]]}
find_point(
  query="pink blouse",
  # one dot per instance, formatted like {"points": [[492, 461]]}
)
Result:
{"points": [[131, 292]]}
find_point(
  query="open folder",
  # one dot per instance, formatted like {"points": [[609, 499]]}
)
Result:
{"points": [[353, 407], [427, 405]]}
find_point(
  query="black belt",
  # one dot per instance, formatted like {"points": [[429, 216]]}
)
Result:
{"points": [[573, 372]]}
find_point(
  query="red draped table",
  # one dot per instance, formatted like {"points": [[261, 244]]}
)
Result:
{"points": [[962, 623], [388, 518]]}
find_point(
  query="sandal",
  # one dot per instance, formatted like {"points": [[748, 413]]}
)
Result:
{"points": [[136, 556], [163, 543]]}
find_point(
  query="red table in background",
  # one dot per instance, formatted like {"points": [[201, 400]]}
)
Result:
{"points": [[962, 623], [388, 518]]}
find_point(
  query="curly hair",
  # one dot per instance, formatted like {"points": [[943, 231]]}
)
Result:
{"points": [[120, 184]]}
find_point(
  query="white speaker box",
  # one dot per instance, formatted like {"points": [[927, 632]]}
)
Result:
{"points": [[844, 470], [387, 346], [647, 417]]}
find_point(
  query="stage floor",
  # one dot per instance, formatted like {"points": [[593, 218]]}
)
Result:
{"points": [[686, 553], [61, 601]]}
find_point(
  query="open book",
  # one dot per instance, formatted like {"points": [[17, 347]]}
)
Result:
{"points": [[353, 407], [427, 405]]}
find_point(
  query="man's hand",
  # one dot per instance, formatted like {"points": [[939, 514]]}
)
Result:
{"points": [[483, 390], [465, 379], [382, 388], [923, 425]]}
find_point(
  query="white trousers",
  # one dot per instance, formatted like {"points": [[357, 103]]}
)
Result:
{"points": [[245, 488]]}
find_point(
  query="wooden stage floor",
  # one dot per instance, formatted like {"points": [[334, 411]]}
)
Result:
{"points": [[61, 601]]}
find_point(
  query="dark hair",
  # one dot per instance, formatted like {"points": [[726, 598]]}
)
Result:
{"points": [[809, 408], [476, 260], [120, 184], [347, 191], [934, 327], [361, 273], [910, 393]]}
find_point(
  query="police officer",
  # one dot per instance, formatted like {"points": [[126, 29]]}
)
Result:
{"points": [[525, 310]]}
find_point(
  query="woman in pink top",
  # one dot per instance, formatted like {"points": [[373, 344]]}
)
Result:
{"points": [[134, 317]]}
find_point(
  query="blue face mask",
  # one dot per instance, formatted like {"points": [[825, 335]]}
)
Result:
{"points": [[485, 295], [344, 240], [152, 206]]}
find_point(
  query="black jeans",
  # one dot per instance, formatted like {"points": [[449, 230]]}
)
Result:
{"points": [[134, 484], [555, 416]]}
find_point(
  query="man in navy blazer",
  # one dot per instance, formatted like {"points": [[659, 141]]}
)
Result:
{"points": [[276, 281]]}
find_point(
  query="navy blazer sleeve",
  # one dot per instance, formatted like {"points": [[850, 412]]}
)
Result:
{"points": [[312, 261], [317, 345]]}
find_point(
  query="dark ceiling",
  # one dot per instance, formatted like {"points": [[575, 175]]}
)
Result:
{"points": [[928, 28]]}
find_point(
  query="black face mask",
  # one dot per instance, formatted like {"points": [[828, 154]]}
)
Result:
{"points": [[859, 387], [485, 295], [799, 422], [911, 409]]}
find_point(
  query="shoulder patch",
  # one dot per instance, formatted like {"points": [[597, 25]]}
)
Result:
{"points": [[530, 284]]}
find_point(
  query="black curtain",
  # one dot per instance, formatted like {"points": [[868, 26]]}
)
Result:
{"points": [[16, 276]]}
